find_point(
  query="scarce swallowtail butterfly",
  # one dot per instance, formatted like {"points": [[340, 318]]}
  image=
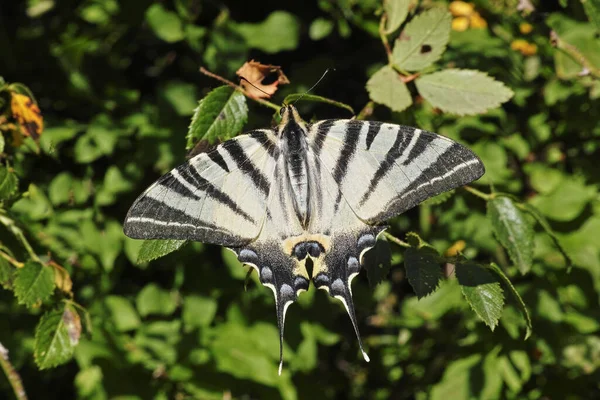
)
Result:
{"points": [[323, 190]]}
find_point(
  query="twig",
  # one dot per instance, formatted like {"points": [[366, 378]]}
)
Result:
{"points": [[394, 239], [10, 224], [367, 111], [11, 260], [478, 193], [239, 88], [574, 53], [12, 375], [384, 38]]}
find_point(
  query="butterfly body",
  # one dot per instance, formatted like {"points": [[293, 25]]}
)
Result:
{"points": [[321, 191]]}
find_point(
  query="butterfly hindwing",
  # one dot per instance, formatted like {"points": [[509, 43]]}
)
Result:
{"points": [[217, 197], [385, 169]]}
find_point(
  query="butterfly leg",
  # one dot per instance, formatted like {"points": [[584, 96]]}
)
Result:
{"points": [[281, 273]]}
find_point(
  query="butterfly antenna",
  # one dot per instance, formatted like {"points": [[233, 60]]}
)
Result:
{"points": [[313, 86], [254, 86]]}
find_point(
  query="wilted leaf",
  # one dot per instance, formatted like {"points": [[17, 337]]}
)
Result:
{"points": [[34, 283], [254, 73], [423, 269], [56, 336], [280, 31], [219, 116], [166, 24], [482, 291], [462, 91], [513, 230], [8, 182], [377, 262], [423, 40], [396, 12], [386, 87], [153, 249], [28, 115], [62, 279]]}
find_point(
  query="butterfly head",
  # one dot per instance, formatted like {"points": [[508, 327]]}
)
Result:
{"points": [[290, 118]]}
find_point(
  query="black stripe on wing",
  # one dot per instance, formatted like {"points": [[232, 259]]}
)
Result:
{"points": [[246, 165]]}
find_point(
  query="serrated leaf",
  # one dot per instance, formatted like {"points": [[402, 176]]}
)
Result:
{"points": [[34, 283], [377, 262], [56, 336], [8, 182], [396, 12], [279, 31], [521, 304], [482, 290], [385, 87], [166, 24], [153, 249], [219, 116], [422, 269], [423, 40], [153, 299], [462, 91], [513, 230]]}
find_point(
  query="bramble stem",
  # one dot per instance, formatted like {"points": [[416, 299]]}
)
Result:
{"points": [[12, 375], [239, 88], [394, 239]]}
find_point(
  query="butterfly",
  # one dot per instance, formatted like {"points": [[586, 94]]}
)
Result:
{"points": [[319, 191]]}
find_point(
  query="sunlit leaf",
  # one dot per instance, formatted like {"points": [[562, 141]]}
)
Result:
{"points": [[396, 12], [33, 283], [198, 311], [423, 40], [153, 249], [462, 91], [56, 336], [280, 31], [27, 113], [482, 291], [386, 87], [320, 28], [166, 24], [513, 230], [153, 299], [124, 316], [219, 116]]}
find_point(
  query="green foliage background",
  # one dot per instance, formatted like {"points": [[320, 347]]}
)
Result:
{"points": [[117, 83]]}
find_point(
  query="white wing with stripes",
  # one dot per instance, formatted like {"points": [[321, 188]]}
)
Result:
{"points": [[385, 169], [218, 197]]}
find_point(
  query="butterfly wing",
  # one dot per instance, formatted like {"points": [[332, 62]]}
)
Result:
{"points": [[217, 197], [385, 169]]}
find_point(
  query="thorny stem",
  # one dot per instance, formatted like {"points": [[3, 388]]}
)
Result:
{"points": [[394, 239], [478, 193], [10, 224], [239, 88], [12, 375]]}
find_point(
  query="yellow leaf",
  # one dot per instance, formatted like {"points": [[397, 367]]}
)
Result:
{"points": [[460, 24], [461, 8], [477, 21], [27, 113], [62, 279], [524, 47]]}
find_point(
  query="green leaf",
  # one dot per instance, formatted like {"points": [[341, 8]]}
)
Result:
{"points": [[153, 299], [386, 87], [34, 204], [182, 97], [462, 91], [482, 291], [219, 116], [153, 249], [320, 28], [123, 314], [439, 199], [311, 97], [458, 379], [396, 12], [280, 31], [567, 201], [8, 182], [423, 40], [34, 283], [592, 9], [513, 230], [198, 311], [377, 262], [99, 140], [166, 24], [2, 142], [7, 274], [423, 269], [520, 303], [56, 336]]}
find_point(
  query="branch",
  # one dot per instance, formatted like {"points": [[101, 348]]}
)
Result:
{"points": [[478, 193], [394, 239], [10, 224], [12, 375]]}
